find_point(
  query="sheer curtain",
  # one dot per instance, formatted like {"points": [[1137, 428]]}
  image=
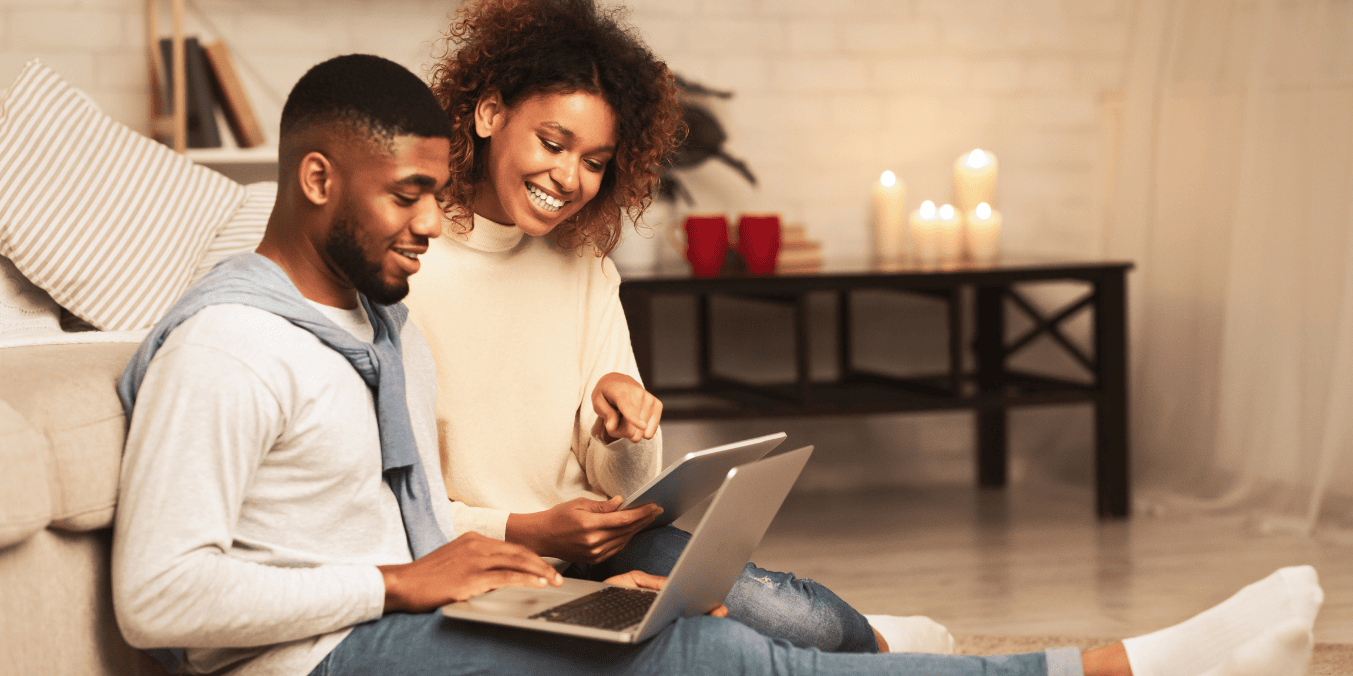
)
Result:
{"points": [[1233, 191]]}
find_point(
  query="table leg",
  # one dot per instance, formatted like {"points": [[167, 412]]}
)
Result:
{"points": [[803, 351], [991, 420], [955, 307], [843, 347], [703, 336], [1111, 425], [638, 308]]}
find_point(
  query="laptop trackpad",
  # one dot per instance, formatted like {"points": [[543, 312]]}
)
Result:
{"points": [[522, 601]]}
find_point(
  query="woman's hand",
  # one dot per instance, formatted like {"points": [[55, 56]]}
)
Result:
{"points": [[580, 530], [641, 580], [625, 410]]}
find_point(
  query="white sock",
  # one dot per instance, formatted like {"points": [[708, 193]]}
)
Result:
{"points": [[1207, 639], [1284, 651], [915, 634]]}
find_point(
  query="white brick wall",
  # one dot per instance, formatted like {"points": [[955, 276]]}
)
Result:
{"points": [[100, 45], [831, 94], [96, 44], [43, 27], [828, 94]]}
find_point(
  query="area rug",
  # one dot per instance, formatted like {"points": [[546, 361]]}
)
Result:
{"points": [[1330, 659]]}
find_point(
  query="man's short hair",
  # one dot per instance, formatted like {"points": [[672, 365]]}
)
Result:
{"points": [[374, 97]]}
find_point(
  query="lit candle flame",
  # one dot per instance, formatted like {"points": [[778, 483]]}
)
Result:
{"points": [[927, 210], [978, 159], [947, 212], [983, 211], [888, 179]]}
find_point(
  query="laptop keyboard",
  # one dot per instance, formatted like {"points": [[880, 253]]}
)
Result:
{"points": [[611, 608]]}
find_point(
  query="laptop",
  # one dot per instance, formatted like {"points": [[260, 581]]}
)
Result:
{"points": [[721, 545], [688, 481]]}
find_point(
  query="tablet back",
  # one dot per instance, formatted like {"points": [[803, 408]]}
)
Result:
{"points": [[688, 481]]}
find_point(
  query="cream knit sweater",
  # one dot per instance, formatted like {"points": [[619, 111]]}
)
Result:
{"points": [[521, 331]]}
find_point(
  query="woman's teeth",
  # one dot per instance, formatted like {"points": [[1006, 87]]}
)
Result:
{"points": [[542, 200], [408, 254]]}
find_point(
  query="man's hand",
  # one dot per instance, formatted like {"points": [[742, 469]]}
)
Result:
{"points": [[625, 410], [641, 580], [580, 530], [467, 566]]}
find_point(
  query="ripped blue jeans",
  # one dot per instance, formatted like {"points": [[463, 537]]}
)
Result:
{"points": [[429, 644], [777, 605]]}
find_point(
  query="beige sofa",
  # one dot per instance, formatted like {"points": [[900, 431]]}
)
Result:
{"points": [[114, 253], [61, 434]]}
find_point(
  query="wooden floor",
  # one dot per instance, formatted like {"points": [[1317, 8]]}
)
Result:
{"points": [[1034, 561]]}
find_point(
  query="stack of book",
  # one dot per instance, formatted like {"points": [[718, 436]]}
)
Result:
{"points": [[797, 253], [211, 83]]}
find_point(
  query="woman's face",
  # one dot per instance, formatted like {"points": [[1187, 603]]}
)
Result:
{"points": [[546, 157]]}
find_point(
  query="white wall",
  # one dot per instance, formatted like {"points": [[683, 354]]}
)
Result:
{"points": [[97, 45], [100, 45], [828, 95]]}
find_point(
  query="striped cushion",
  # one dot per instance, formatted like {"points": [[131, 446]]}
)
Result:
{"points": [[244, 229], [107, 221]]}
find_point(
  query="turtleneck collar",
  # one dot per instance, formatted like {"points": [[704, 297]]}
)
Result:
{"points": [[492, 237]]}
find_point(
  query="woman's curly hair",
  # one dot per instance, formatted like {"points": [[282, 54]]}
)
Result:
{"points": [[522, 48]]}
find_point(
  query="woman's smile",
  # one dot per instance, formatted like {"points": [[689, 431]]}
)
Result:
{"points": [[554, 148], [543, 200]]}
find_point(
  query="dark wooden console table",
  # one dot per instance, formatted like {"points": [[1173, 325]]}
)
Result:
{"points": [[990, 391]]}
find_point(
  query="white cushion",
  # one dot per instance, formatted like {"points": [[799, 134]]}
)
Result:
{"points": [[26, 311], [107, 221], [243, 231]]}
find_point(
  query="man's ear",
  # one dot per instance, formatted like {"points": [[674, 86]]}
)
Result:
{"points": [[316, 174], [489, 113]]}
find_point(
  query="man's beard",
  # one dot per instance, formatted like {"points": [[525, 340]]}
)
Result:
{"points": [[350, 259]]}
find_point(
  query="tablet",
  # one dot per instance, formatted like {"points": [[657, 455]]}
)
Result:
{"points": [[688, 481]]}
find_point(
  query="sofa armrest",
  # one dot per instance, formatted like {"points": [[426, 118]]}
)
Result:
{"points": [[25, 502], [68, 395]]}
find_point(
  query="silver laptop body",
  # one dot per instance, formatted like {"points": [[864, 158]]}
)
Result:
{"points": [[688, 481], [720, 546]]}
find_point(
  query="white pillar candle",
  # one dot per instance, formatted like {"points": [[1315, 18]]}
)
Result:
{"points": [[949, 235], [984, 233], [924, 240], [890, 209], [974, 180]]}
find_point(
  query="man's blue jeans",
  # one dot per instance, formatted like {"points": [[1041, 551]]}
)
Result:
{"points": [[429, 644], [777, 605]]}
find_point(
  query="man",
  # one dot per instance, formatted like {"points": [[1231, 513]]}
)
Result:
{"points": [[251, 437], [276, 513]]}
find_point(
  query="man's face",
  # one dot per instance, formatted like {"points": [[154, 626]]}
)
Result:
{"points": [[547, 157], [386, 213]]}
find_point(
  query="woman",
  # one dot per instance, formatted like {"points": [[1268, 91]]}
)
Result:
{"points": [[562, 118]]}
